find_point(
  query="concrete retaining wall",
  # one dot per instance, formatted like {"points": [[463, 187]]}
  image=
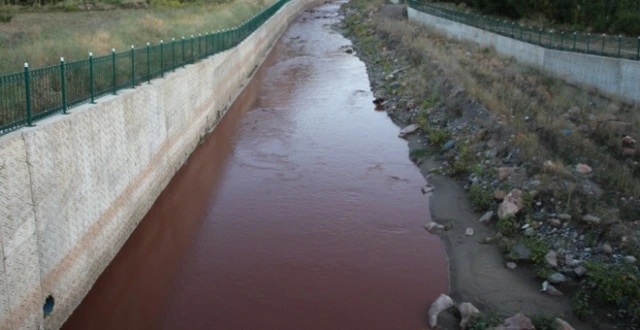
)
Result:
{"points": [[610, 75], [73, 188]]}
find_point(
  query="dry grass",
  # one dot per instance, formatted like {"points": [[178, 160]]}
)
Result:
{"points": [[42, 38]]}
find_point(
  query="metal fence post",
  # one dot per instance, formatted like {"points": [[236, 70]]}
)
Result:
{"points": [[161, 58], [575, 37], [183, 60], [93, 96], [113, 74], [562, 40], [200, 45], [148, 62], [603, 37], [588, 40], [540, 38], [173, 54], [63, 89], [27, 93], [133, 67], [619, 44], [638, 51], [192, 41]]}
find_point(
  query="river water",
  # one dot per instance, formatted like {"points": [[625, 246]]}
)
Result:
{"points": [[301, 210]]}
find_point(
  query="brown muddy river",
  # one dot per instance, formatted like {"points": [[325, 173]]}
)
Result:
{"points": [[301, 210]]}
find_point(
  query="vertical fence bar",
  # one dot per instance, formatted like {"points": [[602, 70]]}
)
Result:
{"points": [[149, 63], [91, 87], [603, 37], [133, 67], [192, 41], [575, 39], [27, 94], [173, 54], [113, 73], [638, 50], [588, 41], [63, 89], [540, 37], [200, 45], [562, 40], [162, 58]]}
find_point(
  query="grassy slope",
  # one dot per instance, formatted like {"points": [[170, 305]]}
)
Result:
{"points": [[42, 38]]}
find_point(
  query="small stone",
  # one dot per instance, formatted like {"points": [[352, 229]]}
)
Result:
{"points": [[427, 189], [580, 271], [562, 325], [556, 278], [442, 303], [517, 322], [469, 232], [467, 310], [529, 232], [564, 217], [512, 265], [499, 194], [549, 166], [628, 140], [591, 219], [433, 226], [583, 169], [555, 223], [449, 145], [551, 259], [630, 259], [503, 173], [486, 218], [550, 289], [606, 248]]}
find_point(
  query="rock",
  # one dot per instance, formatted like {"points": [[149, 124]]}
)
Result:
{"points": [[555, 223], [564, 217], [606, 248], [512, 265], [442, 303], [486, 218], [433, 226], [529, 232], [516, 322], [467, 310], [427, 189], [574, 112], [408, 130], [499, 194], [583, 169], [521, 252], [503, 173], [562, 325], [551, 258], [379, 94], [448, 145], [591, 219], [630, 259], [549, 166], [628, 140], [628, 151], [580, 271], [556, 278], [469, 232], [550, 289], [511, 205]]}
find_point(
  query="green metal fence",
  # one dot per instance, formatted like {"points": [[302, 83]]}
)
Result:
{"points": [[603, 45], [35, 94]]}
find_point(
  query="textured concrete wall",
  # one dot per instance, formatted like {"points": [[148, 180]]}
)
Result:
{"points": [[73, 188], [610, 75]]}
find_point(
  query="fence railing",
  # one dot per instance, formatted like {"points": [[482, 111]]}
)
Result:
{"points": [[33, 94], [603, 45]]}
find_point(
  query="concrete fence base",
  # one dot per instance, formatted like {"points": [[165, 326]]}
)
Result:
{"points": [[619, 77], [73, 188]]}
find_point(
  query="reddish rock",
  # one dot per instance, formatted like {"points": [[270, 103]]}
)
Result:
{"points": [[517, 322], [628, 140], [511, 205], [584, 169], [555, 223], [628, 151], [503, 173], [499, 194]]}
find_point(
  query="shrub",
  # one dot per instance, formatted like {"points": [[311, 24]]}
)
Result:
{"points": [[6, 14], [484, 321], [628, 23], [507, 227], [480, 198], [544, 322]]}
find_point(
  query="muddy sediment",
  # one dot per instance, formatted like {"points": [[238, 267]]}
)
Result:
{"points": [[300, 211]]}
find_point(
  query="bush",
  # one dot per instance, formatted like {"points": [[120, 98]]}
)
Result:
{"points": [[507, 227], [480, 198], [628, 23], [544, 322], [6, 14]]}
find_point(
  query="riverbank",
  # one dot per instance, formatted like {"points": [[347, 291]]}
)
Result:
{"points": [[553, 166]]}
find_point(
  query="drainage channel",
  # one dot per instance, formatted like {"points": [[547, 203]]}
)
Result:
{"points": [[301, 210]]}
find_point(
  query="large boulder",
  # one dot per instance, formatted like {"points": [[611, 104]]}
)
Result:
{"points": [[442, 303]]}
